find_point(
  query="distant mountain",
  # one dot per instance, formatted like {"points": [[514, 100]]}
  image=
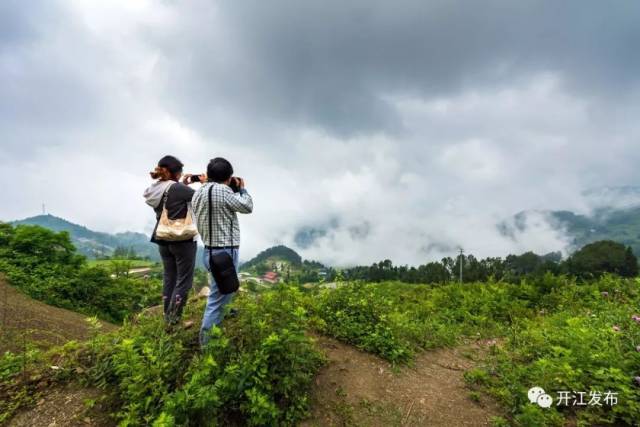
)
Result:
{"points": [[620, 225], [289, 265], [614, 215], [94, 243], [276, 254], [606, 223]]}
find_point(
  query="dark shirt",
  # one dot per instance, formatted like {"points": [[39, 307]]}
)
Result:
{"points": [[178, 197]]}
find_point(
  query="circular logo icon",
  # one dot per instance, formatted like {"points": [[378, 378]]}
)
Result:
{"points": [[534, 393], [545, 401]]}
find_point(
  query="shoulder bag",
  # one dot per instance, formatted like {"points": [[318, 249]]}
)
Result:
{"points": [[175, 230], [221, 264]]}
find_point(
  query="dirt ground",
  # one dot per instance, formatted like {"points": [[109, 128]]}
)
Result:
{"points": [[70, 406], [359, 389], [24, 320]]}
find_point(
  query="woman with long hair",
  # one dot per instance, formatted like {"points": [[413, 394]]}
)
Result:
{"points": [[178, 257]]}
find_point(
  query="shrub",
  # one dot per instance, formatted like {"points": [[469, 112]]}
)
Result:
{"points": [[258, 369], [588, 344], [44, 265]]}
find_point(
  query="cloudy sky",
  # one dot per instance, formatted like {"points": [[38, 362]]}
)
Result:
{"points": [[364, 129]]}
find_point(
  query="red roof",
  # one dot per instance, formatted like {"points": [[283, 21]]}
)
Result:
{"points": [[270, 275]]}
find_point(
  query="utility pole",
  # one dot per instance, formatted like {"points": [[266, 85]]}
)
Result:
{"points": [[43, 210], [461, 260]]}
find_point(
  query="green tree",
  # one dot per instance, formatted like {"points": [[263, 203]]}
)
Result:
{"points": [[120, 252], [44, 264], [261, 268], [433, 272], [36, 245], [601, 257]]}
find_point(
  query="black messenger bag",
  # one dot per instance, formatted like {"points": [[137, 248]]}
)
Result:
{"points": [[221, 264]]}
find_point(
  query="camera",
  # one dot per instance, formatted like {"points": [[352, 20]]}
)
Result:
{"points": [[235, 184], [195, 178]]}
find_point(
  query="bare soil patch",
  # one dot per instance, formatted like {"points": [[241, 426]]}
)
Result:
{"points": [[70, 406], [357, 388], [24, 320]]}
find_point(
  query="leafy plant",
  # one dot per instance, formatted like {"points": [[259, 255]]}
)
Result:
{"points": [[44, 265]]}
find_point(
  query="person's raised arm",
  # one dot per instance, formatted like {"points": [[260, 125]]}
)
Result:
{"points": [[240, 201]]}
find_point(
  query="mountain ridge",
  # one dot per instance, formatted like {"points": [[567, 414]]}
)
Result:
{"points": [[94, 244]]}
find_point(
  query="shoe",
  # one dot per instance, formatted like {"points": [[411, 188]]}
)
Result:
{"points": [[187, 324]]}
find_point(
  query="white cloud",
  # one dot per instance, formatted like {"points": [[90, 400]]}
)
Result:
{"points": [[389, 153]]}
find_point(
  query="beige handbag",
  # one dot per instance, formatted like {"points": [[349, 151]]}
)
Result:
{"points": [[174, 230]]}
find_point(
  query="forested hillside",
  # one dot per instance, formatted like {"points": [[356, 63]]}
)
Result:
{"points": [[96, 244]]}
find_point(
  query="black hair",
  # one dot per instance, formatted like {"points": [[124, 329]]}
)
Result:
{"points": [[219, 170], [172, 164]]}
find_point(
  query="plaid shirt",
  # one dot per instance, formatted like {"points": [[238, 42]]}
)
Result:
{"points": [[224, 220]]}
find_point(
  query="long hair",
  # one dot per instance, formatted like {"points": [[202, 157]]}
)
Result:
{"points": [[161, 173], [169, 167]]}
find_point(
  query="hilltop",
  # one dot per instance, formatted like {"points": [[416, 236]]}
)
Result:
{"points": [[288, 264], [94, 244], [275, 254]]}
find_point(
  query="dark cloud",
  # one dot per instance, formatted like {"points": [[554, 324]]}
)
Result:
{"points": [[334, 64]]}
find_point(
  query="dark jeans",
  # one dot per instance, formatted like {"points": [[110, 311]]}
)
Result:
{"points": [[179, 259]]}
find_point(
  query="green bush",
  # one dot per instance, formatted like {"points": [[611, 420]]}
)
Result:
{"points": [[394, 319], [16, 384], [44, 265], [260, 374], [588, 344], [258, 370]]}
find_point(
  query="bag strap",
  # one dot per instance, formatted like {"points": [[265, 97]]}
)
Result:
{"points": [[231, 230], [210, 213], [165, 196]]}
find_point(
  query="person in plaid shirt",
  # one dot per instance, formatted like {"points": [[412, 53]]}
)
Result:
{"points": [[228, 198]]}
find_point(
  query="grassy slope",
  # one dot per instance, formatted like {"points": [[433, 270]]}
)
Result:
{"points": [[24, 320]]}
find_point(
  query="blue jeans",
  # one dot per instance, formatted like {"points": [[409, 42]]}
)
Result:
{"points": [[214, 311]]}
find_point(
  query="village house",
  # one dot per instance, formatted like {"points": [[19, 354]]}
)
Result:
{"points": [[270, 277]]}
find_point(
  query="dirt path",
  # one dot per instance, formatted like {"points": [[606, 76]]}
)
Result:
{"points": [[139, 271], [359, 389]]}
